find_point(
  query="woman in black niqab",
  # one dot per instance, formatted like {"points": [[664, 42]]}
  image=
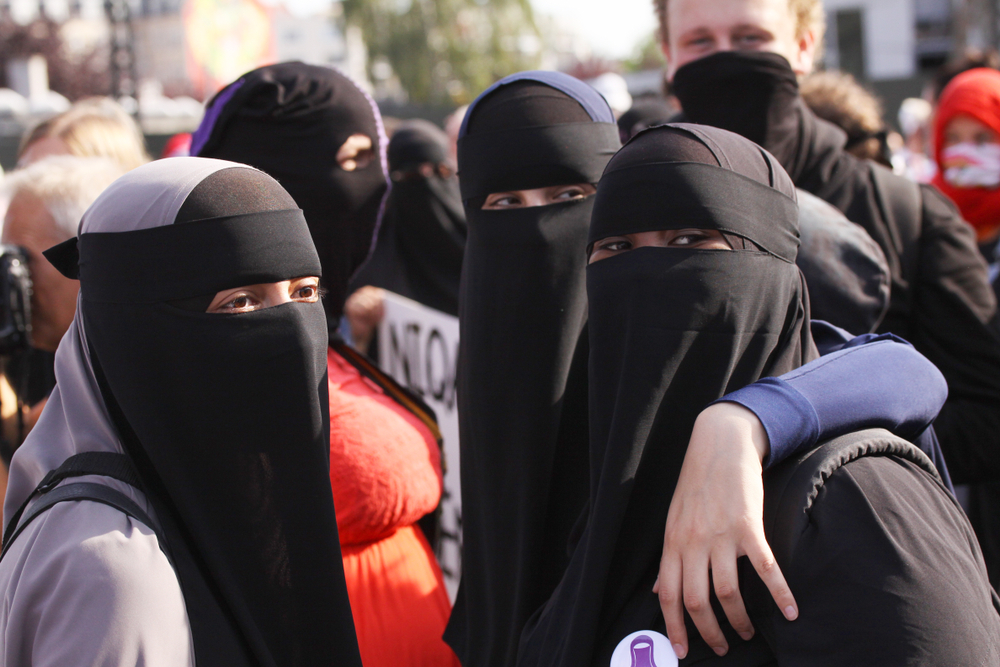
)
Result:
{"points": [[522, 361], [673, 329], [224, 416], [318, 133], [422, 237], [291, 120]]}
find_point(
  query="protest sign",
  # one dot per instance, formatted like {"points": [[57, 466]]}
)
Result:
{"points": [[418, 347]]}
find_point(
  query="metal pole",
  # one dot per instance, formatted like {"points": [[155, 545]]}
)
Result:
{"points": [[124, 81]]}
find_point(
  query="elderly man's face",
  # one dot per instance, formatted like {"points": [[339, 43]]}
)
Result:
{"points": [[53, 303], [699, 28]]}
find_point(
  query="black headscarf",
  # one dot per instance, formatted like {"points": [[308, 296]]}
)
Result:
{"points": [[522, 361], [289, 120], [422, 238], [671, 330], [224, 415], [645, 112]]}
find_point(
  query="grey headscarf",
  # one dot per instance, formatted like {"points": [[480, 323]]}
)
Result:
{"points": [[75, 419], [62, 578]]}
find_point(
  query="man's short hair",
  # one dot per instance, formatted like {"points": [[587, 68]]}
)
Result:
{"points": [[66, 185], [808, 15]]}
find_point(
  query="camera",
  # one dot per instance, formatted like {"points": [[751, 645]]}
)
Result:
{"points": [[15, 300]]}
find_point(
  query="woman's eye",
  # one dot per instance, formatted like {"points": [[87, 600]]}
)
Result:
{"points": [[688, 239], [503, 202], [364, 158], [615, 246], [241, 302], [308, 293], [573, 193]]}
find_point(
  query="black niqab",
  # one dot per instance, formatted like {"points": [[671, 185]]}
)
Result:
{"points": [[645, 112], [671, 330], [422, 237], [289, 120], [226, 418], [522, 361]]}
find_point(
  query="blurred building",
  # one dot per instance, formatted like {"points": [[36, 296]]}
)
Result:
{"points": [[193, 47], [894, 46]]}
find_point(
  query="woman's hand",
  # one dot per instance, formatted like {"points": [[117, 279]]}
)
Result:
{"points": [[364, 310], [716, 516]]}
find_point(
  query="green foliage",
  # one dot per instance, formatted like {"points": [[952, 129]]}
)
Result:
{"points": [[647, 55], [447, 51]]}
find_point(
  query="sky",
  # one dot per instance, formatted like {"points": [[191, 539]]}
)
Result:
{"points": [[612, 27]]}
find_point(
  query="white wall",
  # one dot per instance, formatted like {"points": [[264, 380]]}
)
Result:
{"points": [[889, 36]]}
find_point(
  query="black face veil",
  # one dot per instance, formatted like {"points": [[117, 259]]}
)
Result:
{"points": [[224, 415], [522, 362], [422, 238], [671, 330], [289, 120]]}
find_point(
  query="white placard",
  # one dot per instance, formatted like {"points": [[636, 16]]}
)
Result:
{"points": [[418, 347]]}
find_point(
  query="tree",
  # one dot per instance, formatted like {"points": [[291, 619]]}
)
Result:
{"points": [[447, 51], [72, 75], [646, 55]]}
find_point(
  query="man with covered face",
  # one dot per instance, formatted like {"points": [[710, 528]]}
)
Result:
{"points": [[735, 64]]}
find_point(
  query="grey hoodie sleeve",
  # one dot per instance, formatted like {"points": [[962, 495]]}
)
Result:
{"points": [[85, 584]]}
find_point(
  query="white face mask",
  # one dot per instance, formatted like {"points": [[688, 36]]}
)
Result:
{"points": [[969, 165]]}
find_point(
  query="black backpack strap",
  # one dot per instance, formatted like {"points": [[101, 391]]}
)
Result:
{"points": [[94, 493], [107, 464]]}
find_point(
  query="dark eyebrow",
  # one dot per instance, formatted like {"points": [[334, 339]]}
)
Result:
{"points": [[751, 27], [696, 32]]}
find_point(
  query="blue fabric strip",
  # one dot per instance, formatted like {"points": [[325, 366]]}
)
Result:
{"points": [[591, 100], [871, 381]]}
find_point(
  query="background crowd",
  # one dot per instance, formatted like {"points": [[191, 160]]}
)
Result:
{"points": [[491, 217]]}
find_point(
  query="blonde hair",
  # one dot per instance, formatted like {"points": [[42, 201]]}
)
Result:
{"points": [[808, 14], [65, 184], [94, 127]]}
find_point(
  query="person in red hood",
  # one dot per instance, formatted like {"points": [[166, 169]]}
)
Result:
{"points": [[967, 149]]}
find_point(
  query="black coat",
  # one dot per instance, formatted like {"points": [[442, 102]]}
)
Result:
{"points": [[885, 566], [941, 301], [941, 298]]}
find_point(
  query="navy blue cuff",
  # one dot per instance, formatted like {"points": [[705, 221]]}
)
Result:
{"points": [[788, 417]]}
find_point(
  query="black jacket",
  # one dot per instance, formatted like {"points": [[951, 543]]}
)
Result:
{"points": [[884, 565], [941, 299]]}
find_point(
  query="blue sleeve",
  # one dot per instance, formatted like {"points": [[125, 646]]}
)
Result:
{"points": [[872, 381]]}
